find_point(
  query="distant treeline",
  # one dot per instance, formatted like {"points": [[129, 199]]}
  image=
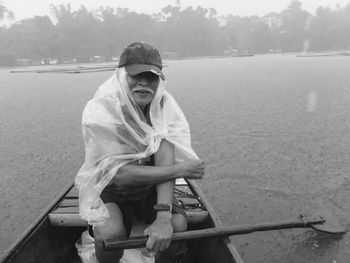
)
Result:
{"points": [[176, 31]]}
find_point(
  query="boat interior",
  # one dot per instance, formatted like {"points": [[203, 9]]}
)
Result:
{"points": [[53, 238]]}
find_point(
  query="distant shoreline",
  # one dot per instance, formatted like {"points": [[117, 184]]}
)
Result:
{"points": [[340, 53]]}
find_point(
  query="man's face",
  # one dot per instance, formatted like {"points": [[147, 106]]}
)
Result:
{"points": [[143, 87]]}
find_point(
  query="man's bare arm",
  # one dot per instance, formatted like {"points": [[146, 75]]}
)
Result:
{"points": [[161, 230], [131, 174], [165, 157]]}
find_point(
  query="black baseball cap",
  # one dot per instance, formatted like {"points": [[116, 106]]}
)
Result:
{"points": [[141, 57]]}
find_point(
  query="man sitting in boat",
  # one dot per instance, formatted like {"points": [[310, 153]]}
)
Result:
{"points": [[137, 142]]}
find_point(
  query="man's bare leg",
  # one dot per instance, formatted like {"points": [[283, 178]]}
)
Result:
{"points": [[113, 228], [179, 223]]}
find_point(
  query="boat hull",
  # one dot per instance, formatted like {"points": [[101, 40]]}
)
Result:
{"points": [[44, 242]]}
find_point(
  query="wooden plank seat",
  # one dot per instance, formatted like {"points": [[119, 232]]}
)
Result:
{"points": [[67, 212]]}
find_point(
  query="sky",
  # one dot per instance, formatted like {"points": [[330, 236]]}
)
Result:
{"points": [[25, 8]]}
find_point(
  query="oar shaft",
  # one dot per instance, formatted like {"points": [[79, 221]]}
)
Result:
{"points": [[136, 242]]}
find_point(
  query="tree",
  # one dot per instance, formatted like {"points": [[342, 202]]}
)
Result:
{"points": [[293, 26], [274, 21], [343, 27], [5, 13], [110, 30], [30, 38], [188, 32], [330, 29], [322, 29], [196, 31], [248, 34], [78, 32]]}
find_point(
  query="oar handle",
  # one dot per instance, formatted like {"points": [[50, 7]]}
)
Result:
{"points": [[140, 241]]}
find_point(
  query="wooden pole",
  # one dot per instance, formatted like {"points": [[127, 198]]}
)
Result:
{"points": [[140, 241]]}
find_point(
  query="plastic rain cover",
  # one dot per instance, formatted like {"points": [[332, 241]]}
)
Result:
{"points": [[115, 134]]}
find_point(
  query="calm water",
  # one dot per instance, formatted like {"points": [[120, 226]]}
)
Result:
{"points": [[274, 130]]}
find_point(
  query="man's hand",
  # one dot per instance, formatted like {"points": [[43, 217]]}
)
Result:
{"points": [[159, 232], [192, 169]]}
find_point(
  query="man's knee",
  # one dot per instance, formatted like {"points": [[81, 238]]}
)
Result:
{"points": [[113, 226], [179, 223], [109, 230]]}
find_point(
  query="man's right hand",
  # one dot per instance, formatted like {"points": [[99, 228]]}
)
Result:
{"points": [[192, 169]]}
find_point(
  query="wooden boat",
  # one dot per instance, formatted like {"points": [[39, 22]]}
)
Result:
{"points": [[52, 237]]}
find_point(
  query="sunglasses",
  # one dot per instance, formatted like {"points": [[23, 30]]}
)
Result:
{"points": [[148, 76]]}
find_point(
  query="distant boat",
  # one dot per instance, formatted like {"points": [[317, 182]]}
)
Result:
{"points": [[243, 55], [238, 53], [326, 54]]}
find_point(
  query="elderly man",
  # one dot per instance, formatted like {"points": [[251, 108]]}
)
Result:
{"points": [[137, 142]]}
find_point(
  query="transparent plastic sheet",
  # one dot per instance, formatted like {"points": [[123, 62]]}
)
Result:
{"points": [[115, 134], [86, 248]]}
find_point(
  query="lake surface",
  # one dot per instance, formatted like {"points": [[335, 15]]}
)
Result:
{"points": [[274, 131]]}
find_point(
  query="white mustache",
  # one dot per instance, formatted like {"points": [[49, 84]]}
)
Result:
{"points": [[143, 89]]}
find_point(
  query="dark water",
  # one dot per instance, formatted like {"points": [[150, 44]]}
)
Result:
{"points": [[274, 130]]}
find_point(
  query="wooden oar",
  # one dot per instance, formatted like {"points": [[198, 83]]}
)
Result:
{"points": [[329, 225]]}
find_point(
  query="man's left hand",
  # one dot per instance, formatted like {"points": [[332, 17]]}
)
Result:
{"points": [[159, 232]]}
